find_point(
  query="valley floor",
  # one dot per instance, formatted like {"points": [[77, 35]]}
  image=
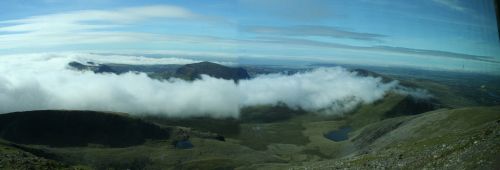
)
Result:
{"points": [[466, 138]]}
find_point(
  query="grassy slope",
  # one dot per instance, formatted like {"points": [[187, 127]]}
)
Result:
{"points": [[371, 113], [161, 154], [465, 137], [14, 157], [447, 95], [458, 138]]}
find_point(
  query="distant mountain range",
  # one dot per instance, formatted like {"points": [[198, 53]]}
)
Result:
{"points": [[187, 72], [193, 71]]}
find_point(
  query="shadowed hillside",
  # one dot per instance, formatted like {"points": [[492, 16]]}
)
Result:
{"points": [[77, 128]]}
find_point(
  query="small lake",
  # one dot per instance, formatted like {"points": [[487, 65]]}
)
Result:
{"points": [[340, 134], [184, 144]]}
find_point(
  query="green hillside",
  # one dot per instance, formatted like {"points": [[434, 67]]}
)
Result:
{"points": [[454, 138]]}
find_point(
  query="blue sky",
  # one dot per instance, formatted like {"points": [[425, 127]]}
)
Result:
{"points": [[432, 34]]}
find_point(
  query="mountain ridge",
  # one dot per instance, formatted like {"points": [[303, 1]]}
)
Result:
{"points": [[187, 72]]}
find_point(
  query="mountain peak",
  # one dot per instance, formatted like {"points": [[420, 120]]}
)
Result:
{"points": [[195, 70]]}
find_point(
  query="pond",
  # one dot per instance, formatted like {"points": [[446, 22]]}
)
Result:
{"points": [[184, 144], [340, 134]]}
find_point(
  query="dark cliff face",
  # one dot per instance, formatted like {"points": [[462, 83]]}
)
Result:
{"points": [[194, 71], [77, 128]]}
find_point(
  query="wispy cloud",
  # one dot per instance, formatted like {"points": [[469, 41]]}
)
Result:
{"points": [[313, 30], [87, 26], [301, 10], [451, 4], [86, 17], [97, 30], [384, 49]]}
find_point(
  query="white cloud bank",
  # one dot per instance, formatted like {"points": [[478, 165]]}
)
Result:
{"points": [[43, 81]]}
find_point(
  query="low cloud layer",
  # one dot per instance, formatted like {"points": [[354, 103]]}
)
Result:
{"points": [[43, 81], [334, 90]]}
